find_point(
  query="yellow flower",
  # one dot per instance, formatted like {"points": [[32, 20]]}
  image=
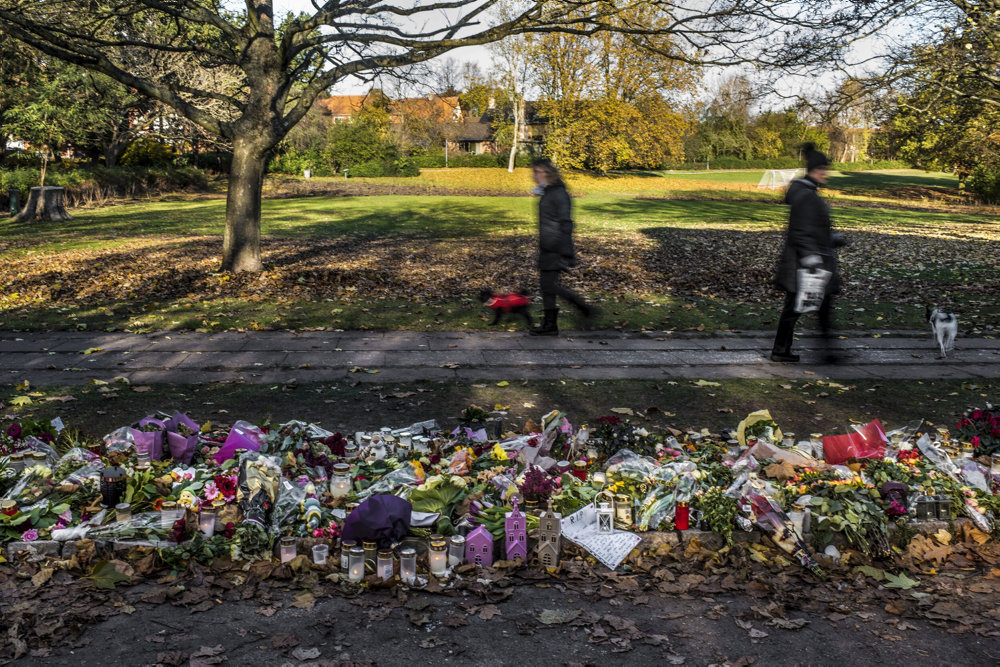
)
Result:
{"points": [[499, 453], [418, 470]]}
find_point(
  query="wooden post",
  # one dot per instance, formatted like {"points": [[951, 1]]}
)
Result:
{"points": [[44, 203]]}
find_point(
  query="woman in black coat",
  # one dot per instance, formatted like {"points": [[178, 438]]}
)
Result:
{"points": [[809, 244], [556, 252]]}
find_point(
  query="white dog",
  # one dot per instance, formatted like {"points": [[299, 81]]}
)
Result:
{"points": [[944, 326]]}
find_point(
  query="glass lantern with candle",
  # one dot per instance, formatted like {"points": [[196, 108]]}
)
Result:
{"points": [[287, 549], [405, 438], [384, 566], [113, 486], [605, 518], [623, 511], [340, 480], [355, 564], [408, 565], [580, 470], [437, 556], [206, 520], [456, 550], [320, 552]]}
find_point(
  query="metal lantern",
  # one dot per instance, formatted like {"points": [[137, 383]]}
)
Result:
{"points": [[926, 508], [605, 518], [943, 504], [113, 485]]}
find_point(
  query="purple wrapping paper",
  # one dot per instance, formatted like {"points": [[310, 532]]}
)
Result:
{"points": [[151, 442], [384, 519]]}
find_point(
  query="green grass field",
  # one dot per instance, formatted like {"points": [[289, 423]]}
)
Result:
{"points": [[660, 251]]}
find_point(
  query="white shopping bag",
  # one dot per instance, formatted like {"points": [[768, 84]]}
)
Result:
{"points": [[812, 289]]}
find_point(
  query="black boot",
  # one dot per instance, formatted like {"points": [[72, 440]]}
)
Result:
{"points": [[549, 326], [784, 355]]}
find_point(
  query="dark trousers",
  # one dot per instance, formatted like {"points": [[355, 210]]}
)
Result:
{"points": [[786, 323], [552, 287]]}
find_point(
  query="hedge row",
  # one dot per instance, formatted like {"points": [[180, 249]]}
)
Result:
{"points": [[95, 185]]}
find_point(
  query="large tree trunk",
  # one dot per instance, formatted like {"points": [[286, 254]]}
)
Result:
{"points": [[241, 244], [44, 203]]}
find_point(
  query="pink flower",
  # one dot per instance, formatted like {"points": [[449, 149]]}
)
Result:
{"points": [[14, 431], [977, 415], [975, 441], [29, 535], [66, 516], [211, 491]]}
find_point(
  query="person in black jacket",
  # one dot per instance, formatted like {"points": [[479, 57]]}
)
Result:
{"points": [[809, 244], [556, 252]]}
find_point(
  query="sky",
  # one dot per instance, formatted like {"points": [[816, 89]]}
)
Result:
{"points": [[787, 86]]}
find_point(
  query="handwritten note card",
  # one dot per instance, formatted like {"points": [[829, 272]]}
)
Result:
{"points": [[609, 548]]}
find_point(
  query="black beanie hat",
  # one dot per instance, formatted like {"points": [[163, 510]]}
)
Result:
{"points": [[814, 158]]}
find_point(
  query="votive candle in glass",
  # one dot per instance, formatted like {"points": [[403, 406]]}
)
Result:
{"points": [[438, 556], [17, 461], [168, 514], [287, 549], [384, 565], [682, 514], [456, 550], [580, 470], [142, 458], [408, 565], [563, 467], [370, 548], [320, 552], [340, 480], [406, 438], [356, 564], [123, 512], [206, 520], [345, 550], [217, 507]]}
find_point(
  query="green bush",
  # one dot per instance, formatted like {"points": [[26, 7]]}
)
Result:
{"points": [[94, 184], [436, 161], [984, 182], [148, 152]]}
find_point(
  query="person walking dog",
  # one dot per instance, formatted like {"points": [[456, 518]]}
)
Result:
{"points": [[810, 243], [556, 252]]}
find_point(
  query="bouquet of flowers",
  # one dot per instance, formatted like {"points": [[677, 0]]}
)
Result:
{"points": [[981, 427]]}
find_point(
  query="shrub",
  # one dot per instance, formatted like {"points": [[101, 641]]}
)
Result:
{"points": [[148, 152], [984, 182]]}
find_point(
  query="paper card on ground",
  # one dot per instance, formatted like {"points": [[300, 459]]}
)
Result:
{"points": [[609, 548]]}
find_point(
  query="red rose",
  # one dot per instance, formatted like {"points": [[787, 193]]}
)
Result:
{"points": [[434, 459]]}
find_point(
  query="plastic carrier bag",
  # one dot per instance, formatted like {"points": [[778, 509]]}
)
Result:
{"points": [[812, 289]]}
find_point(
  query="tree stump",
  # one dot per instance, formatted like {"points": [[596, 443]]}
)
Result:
{"points": [[44, 203]]}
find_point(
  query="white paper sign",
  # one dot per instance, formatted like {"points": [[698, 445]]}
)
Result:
{"points": [[609, 548], [57, 424]]}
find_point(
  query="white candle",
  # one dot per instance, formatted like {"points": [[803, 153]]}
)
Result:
{"points": [[438, 562], [287, 549], [408, 565], [357, 564], [206, 522]]}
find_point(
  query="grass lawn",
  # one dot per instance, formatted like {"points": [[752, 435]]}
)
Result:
{"points": [[800, 406], [659, 250]]}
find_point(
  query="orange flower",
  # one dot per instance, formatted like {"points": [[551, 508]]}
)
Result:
{"points": [[158, 504]]}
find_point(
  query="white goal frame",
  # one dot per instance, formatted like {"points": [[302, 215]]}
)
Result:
{"points": [[778, 178]]}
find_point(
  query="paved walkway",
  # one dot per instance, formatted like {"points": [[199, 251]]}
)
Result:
{"points": [[323, 356]]}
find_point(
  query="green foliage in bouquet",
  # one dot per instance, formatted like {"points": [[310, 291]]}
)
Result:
{"points": [[719, 511]]}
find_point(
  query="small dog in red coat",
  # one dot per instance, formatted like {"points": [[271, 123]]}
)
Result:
{"points": [[515, 303]]}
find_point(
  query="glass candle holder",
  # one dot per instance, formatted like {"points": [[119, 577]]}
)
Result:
{"points": [[355, 564], [580, 470], [406, 438], [8, 508], [563, 467], [408, 565], [320, 552], [384, 565], [168, 514], [623, 511], [340, 480], [370, 549], [598, 480], [456, 550], [217, 507], [206, 520], [390, 445], [350, 452], [438, 556], [17, 461], [114, 483], [345, 551], [682, 516], [605, 518], [788, 440], [286, 549], [142, 458]]}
